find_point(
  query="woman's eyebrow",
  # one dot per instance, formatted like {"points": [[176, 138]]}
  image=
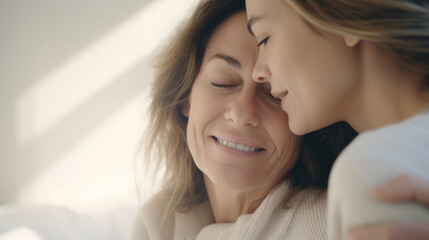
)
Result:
{"points": [[233, 62], [252, 20]]}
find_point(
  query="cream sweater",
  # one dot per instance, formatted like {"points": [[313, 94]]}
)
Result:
{"points": [[375, 157], [304, 220]]}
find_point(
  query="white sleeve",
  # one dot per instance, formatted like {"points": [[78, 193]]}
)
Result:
{"points": [[363, 165]]}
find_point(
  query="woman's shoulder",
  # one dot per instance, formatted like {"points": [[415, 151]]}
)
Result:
{"points": [[310, 215], [408, 134], [155, 207], [391, 144], [312, 204], [150, 223], [147, 223], [314, 197], [380, 155]]}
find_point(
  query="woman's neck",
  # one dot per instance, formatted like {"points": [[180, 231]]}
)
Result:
{"points": [[390, 92], [227, 205]]}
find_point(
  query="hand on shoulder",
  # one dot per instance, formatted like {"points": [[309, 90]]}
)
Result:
{"points": [[401, 189]]}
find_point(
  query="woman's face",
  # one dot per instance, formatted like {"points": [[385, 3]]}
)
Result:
{"points": [[237, 133], [314, 72]]}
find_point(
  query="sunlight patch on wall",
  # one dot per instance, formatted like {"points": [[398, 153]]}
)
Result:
{"points": [[72, 83], [95, 173], [95, 168]]}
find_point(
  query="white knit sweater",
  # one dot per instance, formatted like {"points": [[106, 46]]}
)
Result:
{"points": [[304, 219], [376, 157]]}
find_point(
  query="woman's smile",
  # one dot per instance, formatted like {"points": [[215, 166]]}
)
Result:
{"points": [[237, 147]]}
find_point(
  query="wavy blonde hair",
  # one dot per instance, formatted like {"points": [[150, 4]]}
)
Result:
{"points": [[400, 27], [164, 143]]}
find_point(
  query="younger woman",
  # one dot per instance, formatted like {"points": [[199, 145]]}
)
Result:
{"points": [[363, 62]]}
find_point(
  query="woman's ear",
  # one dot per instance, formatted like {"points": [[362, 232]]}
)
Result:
{"points": [[351, 40], [185, 108]]}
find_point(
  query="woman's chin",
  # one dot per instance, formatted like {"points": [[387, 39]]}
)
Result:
{"points": [[233, 180], [298, 127]]}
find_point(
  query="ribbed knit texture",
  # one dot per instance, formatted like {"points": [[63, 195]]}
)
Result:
{"points": [[303, 219], [376, 157]]}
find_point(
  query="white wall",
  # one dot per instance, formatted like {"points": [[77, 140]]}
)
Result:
{"points": [[73, 79]]}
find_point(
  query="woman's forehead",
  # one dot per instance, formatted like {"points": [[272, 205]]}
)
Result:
{"points": [[231, 37]]}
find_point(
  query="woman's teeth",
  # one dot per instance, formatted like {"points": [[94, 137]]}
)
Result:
{"points": [[237, 146]]}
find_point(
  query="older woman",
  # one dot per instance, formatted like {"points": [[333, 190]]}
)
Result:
{"points": [[233, 169]]}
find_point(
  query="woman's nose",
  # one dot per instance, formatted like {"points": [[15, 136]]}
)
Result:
{"points": [[261, 72], [243, 111]]}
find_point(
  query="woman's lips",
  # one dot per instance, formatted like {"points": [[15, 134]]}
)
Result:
{"points": [[279, 95], [283, 95]]}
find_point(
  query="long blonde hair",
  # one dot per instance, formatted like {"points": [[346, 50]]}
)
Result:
{"points": [[400, 27]]}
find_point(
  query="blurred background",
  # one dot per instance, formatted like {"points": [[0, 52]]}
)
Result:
{"points": [[74, 79]]}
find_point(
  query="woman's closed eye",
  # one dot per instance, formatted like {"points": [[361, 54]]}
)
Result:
{"points": [[222, 85], [263, 42]]}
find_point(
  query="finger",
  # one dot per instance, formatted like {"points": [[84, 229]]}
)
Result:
{"points": [[414, 232], [390, 232], [379, 232], [403, 188]]}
